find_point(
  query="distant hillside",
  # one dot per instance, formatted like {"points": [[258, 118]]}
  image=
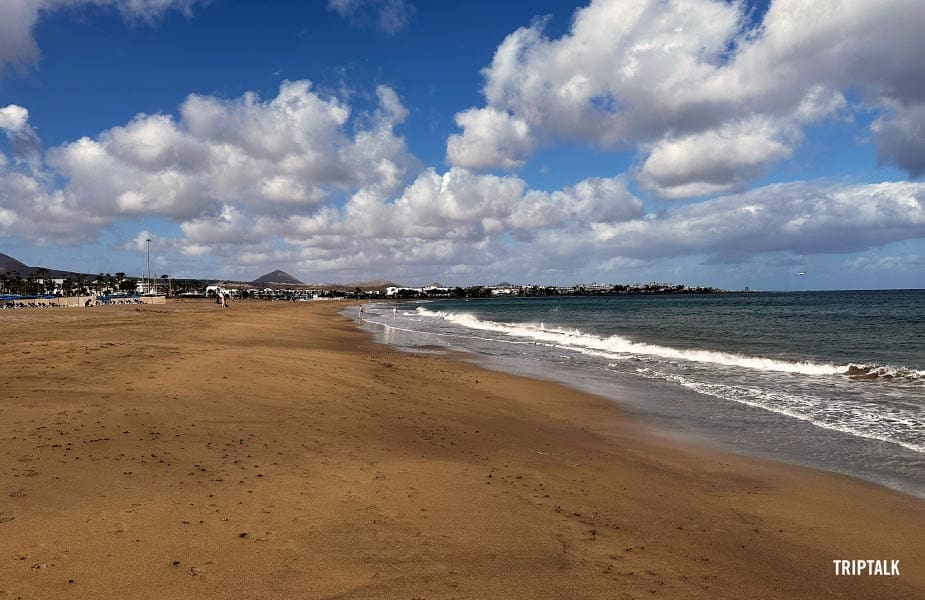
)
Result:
{"points": [[9, 264], [277, 277]]}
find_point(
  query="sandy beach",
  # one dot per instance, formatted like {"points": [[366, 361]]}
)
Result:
{"points": [[273, 450]]}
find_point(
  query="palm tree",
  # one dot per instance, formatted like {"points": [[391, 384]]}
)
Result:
{"points": [[31, 283], [17, 283], [41, 273]]}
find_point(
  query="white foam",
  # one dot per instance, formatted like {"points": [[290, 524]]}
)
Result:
{"points": [[853, 420], [619, 347]]}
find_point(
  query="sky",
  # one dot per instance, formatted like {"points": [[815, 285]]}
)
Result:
{"points": [[708, 142]]}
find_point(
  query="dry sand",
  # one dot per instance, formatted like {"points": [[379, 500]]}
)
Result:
{"points": [[272, 450]]}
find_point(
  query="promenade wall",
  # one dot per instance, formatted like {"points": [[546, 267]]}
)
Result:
{"points": [[80, 301]]}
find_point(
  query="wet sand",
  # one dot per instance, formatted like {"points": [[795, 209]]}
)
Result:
{"points": [[272, 450]]}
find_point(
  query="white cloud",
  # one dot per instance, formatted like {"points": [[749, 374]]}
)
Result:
{"points": [[455, 222], [14, 122], [717, 160], [262, 182], [463, 206], [490, 138], [30, 205], [13, 118], [19, 17], [7, 219], [475, 225], [228, 225], [285, 154], [41, 214], [799, 217], [220, 168], [688, 80], [388, 16]]}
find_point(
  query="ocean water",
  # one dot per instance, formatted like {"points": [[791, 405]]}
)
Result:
{"points": [[834, 380]]}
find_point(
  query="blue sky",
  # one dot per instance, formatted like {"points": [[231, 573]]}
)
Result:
{"points": [[713, 143]]}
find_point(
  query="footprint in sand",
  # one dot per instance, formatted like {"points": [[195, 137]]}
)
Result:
{"points": [[199, 569]]}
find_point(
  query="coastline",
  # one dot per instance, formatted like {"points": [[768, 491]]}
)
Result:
{"points": [[867, 430], [140, 443]]}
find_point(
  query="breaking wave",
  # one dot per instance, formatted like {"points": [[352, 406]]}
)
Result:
{"points": [[618, 347], [876, 423]]}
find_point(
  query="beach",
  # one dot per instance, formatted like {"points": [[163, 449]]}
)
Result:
{"points": [[274, 450]]}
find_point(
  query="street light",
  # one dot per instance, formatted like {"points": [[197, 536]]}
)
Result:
{"points": [[148, 279]]}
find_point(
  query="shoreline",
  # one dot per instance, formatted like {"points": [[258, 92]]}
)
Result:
{"points": [[274, 449], [671, 409]]}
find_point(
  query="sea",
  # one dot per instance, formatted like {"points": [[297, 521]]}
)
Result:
{"points": [[832, 380]]}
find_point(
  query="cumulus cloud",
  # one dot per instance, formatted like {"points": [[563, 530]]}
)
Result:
{"points": [[220, 165], [490, 138], [19, 17], [387, 16], [13, 119], [465, 224], [717, 160], [688, 82], [229, 225], [25, 144], [300, 179], [288, 206], [452, 222], [462, 205], [41, 214], [29, 204], [139, 243], [799, 217], [280, 155]]}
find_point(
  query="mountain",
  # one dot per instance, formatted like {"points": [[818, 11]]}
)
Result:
{"points": [[9, 264], [277, 277]]}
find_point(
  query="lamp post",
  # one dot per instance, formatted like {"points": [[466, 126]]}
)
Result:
{"points": [[148, 278]]}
